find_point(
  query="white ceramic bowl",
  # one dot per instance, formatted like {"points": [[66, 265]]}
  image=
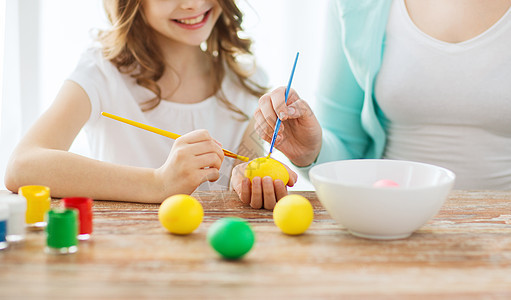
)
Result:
{"points": [[345, 188]]}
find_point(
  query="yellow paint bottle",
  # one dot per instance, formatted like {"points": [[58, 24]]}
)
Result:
{"points": [[38, 204]]}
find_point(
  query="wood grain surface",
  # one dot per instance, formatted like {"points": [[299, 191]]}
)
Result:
{"points": [[462, 253]]}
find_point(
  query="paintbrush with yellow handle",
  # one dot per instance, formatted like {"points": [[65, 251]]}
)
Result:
{"points": [[164, 133]]}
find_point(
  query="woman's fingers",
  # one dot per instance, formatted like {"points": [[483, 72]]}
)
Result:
{"points": [[267, 111], [240, 184], [273, 105], [293, 177], [246, 187], [256, 198], [260, 192], [280, 189], [262, 128], [265, 192], [278, 101], [268, 193]]}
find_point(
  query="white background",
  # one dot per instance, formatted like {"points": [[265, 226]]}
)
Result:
{"points": [[41, 41]]}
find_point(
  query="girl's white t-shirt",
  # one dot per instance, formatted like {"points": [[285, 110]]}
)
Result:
{"points": [[117, 93], [449, 104]]}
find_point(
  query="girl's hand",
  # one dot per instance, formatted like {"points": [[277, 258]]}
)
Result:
{"points": [[261, 192], [299, 136], [194, 158]]}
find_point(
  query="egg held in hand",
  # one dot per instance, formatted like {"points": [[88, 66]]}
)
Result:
{"points": [[265, 166]]}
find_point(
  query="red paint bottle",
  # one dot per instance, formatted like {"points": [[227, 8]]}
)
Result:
{"points": [[84, 207]]}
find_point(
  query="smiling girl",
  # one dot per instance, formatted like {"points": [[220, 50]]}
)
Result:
{"points": [[171, 64]]}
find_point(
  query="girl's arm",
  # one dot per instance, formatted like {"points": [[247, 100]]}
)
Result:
{"points": [[42, 158]]}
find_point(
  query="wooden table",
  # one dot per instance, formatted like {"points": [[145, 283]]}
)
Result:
{"points": [[464, 252]]}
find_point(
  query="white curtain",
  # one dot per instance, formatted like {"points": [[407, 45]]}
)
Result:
{"points": [[42, 43], [44, 39], [19, 104]]}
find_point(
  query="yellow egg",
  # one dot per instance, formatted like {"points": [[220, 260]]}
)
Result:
{"points": [[180, 214], [293, 214], [265, 166]]}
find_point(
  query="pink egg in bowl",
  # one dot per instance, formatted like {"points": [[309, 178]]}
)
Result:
{"points": [[412, 194]]}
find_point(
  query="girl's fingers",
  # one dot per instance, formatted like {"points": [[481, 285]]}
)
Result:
{"points": [[195, 136], [206, 153], [208, 160], [206, 147], [209, 174]]}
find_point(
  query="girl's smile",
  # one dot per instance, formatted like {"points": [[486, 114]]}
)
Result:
{"points": [[193, 22], [187, 22]]}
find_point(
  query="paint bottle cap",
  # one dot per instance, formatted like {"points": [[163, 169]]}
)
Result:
{"points": [[35, 192], [62, 228]]}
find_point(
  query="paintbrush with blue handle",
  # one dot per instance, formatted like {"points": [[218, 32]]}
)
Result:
{"points": [[277, 125]]}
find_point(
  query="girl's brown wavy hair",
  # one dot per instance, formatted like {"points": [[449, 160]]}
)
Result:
{"points": [[130, 45]]}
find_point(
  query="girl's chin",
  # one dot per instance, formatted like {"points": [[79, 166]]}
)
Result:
{"points": [[188, 43]]}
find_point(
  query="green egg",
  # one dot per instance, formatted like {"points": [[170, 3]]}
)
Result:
{"points": [[231, 237]]}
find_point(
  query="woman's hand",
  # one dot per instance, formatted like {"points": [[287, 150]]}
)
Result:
{"points": [[194, 158], [261, 192], [299, 136]]}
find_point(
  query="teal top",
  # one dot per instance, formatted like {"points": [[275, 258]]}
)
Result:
{"points": [[353, 125]]}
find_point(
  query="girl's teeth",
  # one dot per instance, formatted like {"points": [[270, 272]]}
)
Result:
{"points": [[192, 21]]}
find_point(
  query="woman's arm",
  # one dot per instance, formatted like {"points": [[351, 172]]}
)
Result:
{"points": [[339, 96]]}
